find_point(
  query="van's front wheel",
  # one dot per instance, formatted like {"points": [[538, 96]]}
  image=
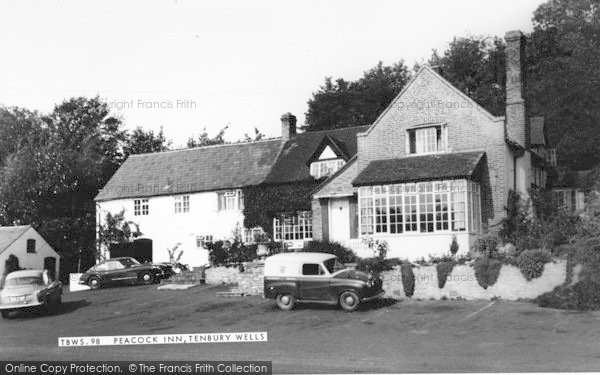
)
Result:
{"points": [[349, 300], [285, 301]]}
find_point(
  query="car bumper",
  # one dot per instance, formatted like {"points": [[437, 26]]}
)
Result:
{"points": [[374, 296], [20, 305]]}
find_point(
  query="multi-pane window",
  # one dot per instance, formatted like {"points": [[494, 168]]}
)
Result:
{"points": [[250, 235], [366, 212], [395, 204], [201, 240], [31, 246], [182, 204], [323, 168], [231, 200], [439, 206], [293, 227], [141, 207], [427, 140]]}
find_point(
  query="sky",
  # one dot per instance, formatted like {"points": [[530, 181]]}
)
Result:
{"points": [[190, 65]]}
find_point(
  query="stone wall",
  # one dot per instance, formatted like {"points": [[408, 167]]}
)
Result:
{"points": [[462, 283], [248, 282]]}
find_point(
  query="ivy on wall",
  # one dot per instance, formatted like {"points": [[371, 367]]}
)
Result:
{"points": [[263, 202]]}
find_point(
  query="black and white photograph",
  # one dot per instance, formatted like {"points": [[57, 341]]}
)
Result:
{"points": [[299, 186]]}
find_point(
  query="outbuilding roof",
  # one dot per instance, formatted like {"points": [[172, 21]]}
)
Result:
{"points": [[8, 235], [420, 168]]}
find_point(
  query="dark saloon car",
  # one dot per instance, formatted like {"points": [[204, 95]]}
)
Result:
{"points": [[121, 271], [317, 277]]}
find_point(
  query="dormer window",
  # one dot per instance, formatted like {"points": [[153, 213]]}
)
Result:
{"points": [[427, 140], [324, 168]]}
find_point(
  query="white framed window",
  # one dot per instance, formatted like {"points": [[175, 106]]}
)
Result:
{"points": [[141, 207], [201, 240], [429, 207], [324, 168], [250, 234], [232, 200], [427, 140], [182, 204], [293, 227]]}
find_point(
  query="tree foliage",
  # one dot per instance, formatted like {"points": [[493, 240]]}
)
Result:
{"points": [[205, 140], [342, 103], [115, 230], [141, 141]]}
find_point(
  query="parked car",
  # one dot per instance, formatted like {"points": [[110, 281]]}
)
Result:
{"points": [[317, 277], [29, 289], [124, 270]]}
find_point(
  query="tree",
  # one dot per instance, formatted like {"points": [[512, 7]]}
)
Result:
{"points": [[476, 66], [140, 141], [345, 103], [205, 140], [50, 178], [564, 77], [116, 230], [258, 136]]}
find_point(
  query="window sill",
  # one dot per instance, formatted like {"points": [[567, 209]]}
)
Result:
{"points": [[428, 153]]}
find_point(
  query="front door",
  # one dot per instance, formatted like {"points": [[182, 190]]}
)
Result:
{"points": [[339, 219]]}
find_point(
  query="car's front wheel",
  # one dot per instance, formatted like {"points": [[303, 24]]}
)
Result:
{"points": [[285, 301], [5, 314], [349, 300], [94, 283], [147, 278]]}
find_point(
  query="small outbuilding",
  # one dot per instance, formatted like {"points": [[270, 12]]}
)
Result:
{"points": [[24, 247]]}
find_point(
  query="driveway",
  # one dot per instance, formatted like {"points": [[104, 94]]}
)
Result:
{"points": [[389, 336]]}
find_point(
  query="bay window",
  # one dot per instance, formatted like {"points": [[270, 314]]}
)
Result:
{"points": [[293, 227], [427, 207]]}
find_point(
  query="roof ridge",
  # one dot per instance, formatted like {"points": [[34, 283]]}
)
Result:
{"points": [[207, 147], [334, 129]]}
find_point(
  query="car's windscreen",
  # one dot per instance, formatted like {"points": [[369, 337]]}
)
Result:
{"points": [[333, 265], [128, 262], [22, 281]]}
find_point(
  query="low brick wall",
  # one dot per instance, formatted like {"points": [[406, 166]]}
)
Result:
{"points": [[249, 282], [462, 283]]}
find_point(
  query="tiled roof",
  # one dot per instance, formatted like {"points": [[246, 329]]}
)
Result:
{"points": [[419, 168], [192, 170], [8, 235], [297, 152], [223, 167]]}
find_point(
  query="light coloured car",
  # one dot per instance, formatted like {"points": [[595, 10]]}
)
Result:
{"points": [[29, 289], [317, 277]]}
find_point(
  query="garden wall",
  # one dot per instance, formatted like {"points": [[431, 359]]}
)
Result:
{"points": [[250, 282], [462, 283]]}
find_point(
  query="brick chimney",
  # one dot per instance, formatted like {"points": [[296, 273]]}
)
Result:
{"points": [[516, 118], [288, 126]]}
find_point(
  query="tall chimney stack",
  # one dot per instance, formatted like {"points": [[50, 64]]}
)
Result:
{"points": [[288, 126], [516, 114]]}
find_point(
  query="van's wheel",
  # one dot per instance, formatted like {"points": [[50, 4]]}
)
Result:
{"points": [[147, 278], [285, 301], [5, 314], [349, 300], [94, 283]]}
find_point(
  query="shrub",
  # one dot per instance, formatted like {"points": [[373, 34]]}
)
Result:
{"points": [[377, 264], [223, 253], [344, 254], [531, 262], [487, 245], [444, 269], [408, 279], [487, 271], [454, 245]]}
